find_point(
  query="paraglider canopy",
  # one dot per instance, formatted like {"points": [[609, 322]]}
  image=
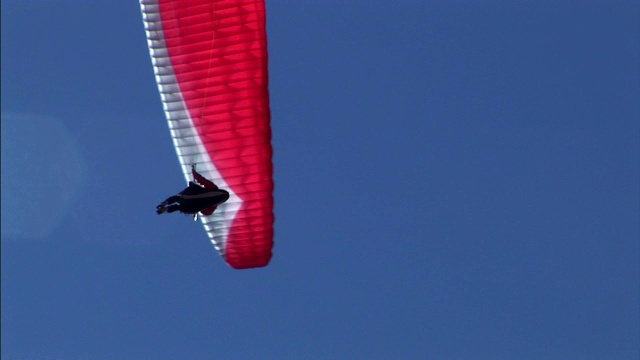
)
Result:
{"points": [[210, 62]]}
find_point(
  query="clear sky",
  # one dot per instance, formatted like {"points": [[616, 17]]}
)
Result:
{"points": [[454, 180]]}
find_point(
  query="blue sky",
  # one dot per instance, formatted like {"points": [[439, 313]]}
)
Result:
{"points": [[454, 180]]}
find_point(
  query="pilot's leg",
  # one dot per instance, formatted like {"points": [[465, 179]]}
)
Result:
{"points": [[171, 199], [163, 206]]}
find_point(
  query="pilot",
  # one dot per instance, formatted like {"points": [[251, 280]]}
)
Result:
{"points": [[201, 196]]}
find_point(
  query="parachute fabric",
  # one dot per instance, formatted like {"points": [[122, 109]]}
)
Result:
{"points": [[210, 64]]}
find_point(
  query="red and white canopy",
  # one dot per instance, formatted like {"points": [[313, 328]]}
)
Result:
{"points": [[210, 63]]}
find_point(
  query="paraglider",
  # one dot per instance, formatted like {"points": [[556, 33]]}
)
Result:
{"points": [[210, 63], [201, 196]]}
